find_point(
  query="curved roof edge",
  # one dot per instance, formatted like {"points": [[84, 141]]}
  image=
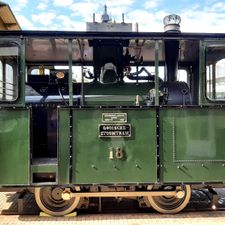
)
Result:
{"points": [[8, 20]]}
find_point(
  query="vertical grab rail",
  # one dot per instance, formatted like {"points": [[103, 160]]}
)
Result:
{"points": [[156, 73], [70, 58]]}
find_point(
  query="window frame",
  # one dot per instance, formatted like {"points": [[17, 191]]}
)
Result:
{"points": [[11, 61], [207, 45]]}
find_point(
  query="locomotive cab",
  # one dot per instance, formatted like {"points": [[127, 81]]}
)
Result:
{"points": [[107, 99]]}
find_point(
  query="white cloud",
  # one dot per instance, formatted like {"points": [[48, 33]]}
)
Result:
{"points": [[151, 4], [208, 19], [140, 16], [42, 6], [194, 18], [62, 3], [45, 18], [19, 5], [118, 3], [116, 13], [85, 9], [25, 23], [22, 2], [217, 7], [66, 23], [114, 8]]}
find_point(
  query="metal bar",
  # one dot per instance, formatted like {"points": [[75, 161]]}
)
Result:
{"points": [[124, 194], [7, 83], [6, 94], [213, 81], [8, 89], [110, 35], [22, 72], [82, 71], [70, 58], [82, 85], [210, 81], [156, 73], [3, 79], [137, 74], [202, 74]]}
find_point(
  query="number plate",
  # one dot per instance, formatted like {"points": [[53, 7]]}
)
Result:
{"points": [[114, 130]]}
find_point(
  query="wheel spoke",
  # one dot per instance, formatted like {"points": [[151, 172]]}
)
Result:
{"points": [[170, 204], [50, 201]]}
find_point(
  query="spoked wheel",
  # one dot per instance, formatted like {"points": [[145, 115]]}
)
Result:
{"points": [[170, 204], [50, 201]]}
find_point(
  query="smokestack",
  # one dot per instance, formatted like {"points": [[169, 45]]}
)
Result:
{"points": [[172, 25]]}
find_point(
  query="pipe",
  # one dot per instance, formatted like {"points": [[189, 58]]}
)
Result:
{"points": [[171, 59]]}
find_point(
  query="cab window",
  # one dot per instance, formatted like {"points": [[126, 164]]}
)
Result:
{"points": [[8, 73], [215, 72]]}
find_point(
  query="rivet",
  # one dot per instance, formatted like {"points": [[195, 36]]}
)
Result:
{"points": [[93, 166]]}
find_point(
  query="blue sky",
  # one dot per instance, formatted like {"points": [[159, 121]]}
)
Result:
{"points": [[196, 16]]}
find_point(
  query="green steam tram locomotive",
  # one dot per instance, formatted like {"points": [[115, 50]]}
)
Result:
{"points": [[112, 114]]}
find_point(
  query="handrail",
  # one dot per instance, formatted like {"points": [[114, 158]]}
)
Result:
{"points": [[5, 95], [7, 89], [4, 82]]}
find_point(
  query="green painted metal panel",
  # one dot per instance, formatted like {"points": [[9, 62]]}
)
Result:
{"points": [[192, 145], [117, 89], [44, 168], [14, 146], [91, 154], [97, 94], [63, 145]]}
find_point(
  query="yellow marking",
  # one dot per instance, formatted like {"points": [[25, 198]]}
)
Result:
{"points": [[43, 214]]}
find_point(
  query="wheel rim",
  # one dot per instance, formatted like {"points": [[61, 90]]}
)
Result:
{"points": [[50, 201], [170, 204]]}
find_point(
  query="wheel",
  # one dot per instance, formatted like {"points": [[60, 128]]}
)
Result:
{"points": [[50, 201], [170, 204]]}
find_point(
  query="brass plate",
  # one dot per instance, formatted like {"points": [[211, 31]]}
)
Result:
{"points": [[114, 130], [114, 117]]}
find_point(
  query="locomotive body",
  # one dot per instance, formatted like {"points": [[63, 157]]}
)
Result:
{"points": [[111, 114]]}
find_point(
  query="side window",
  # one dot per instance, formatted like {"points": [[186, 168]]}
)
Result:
{"points": [[8, 73], [182, 75], [215, 72]]}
